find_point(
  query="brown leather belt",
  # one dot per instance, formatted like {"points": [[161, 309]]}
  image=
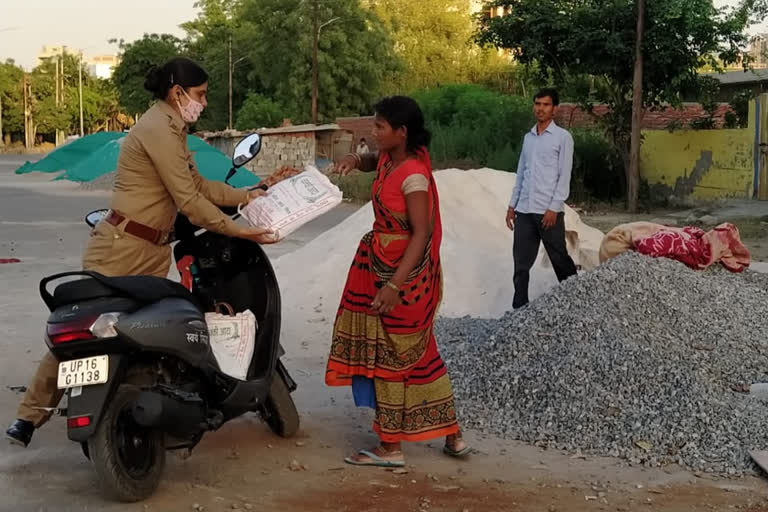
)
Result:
{"points": [[151, 235]]}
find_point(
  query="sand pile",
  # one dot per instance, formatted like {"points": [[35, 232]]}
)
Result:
{"points": [[476, 253]]}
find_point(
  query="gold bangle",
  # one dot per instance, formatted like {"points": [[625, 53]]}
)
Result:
{"points": [[393, 286]]}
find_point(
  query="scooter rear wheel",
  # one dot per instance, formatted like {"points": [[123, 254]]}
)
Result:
{"points": [[279, 410], [128, 458]]}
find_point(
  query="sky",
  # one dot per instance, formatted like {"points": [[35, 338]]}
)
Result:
{"points": [[27, 25]]}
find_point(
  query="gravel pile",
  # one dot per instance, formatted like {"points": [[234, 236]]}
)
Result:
{"points": [[103, 182], [641, 358]]}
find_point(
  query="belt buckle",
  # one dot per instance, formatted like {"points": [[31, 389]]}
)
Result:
{"points": [[164, 237]]}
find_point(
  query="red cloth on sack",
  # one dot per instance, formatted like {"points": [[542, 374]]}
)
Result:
{"points": [[696, 248]]}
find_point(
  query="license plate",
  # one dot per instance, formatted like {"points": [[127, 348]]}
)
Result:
{"points": [[83, 372]]}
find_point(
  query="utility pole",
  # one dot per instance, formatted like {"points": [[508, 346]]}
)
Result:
{"points": [[58, 132], [633, 180], [229, 124], [80, 79], [27, 115], [2, 141], [315, 42], [315, 37]]}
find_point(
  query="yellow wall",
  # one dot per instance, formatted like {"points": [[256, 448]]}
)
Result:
{"points": [[666, 156]]}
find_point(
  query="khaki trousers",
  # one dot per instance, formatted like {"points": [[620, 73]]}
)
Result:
{"points": [[110, 252]]}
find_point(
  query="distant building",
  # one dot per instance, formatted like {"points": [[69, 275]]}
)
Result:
{"points": [[100, 66], [476, 6], [735, 82], [51, 51], [758, 50]]}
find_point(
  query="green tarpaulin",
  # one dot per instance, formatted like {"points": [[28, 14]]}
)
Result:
{"points": [[90, 157]]}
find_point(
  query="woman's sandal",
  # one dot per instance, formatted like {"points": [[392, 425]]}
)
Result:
{"points": [[450, 450], [377, 460]]}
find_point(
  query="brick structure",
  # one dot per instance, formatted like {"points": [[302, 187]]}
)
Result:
{"points": [[294, 146], [291, 149], [360, 127], [570, 115]]}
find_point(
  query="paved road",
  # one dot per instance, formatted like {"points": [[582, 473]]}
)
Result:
{"points": [[41, 223]]}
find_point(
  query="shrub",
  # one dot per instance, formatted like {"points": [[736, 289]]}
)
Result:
{"points": [[472, 124], [259, 112]]}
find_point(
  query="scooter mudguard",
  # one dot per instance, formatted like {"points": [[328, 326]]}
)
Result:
{"points": [[92, 400]]}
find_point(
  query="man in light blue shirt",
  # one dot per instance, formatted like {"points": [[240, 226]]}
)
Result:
{"points": [[537, 209]]}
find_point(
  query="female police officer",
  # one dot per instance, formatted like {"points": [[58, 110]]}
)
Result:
{"points": [[156, 178]]}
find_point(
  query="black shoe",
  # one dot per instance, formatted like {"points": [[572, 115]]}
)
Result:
{"points": [[20, 432]]}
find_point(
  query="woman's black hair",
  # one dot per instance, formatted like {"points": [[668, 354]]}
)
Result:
{"points": [[177, 71], [404, 111]]}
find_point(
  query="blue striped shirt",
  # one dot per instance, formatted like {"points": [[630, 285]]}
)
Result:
{"points": [[544, 171]]}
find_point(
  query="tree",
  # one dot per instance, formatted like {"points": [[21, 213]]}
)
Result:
{"points": [[355, 54], [101, 109], [48, 115], [259, 112], [135, 60], [597, 38], [217, 42], [434, 40], [12, 99]]}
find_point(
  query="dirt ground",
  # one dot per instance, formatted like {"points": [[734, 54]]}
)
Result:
{"points": [[243, 466], [500, 477]]}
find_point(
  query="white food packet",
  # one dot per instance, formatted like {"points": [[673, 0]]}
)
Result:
{"points": [[293, 202]]}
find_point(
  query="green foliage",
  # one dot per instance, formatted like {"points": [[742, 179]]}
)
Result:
{"points": [[473, 126], [100, 102], [135, 60], [11, 91], [469, 122], [708, 89], [208, 42], [355, 54], [434, 41], [597, 37], [259, 112], [598, 170], [101, 108], [739, 118], [355, 186]]}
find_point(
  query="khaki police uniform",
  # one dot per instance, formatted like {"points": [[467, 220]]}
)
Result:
{"points": [[156, 178]]}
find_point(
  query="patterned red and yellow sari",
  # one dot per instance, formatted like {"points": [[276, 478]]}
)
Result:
{"points": [[397, 351]]}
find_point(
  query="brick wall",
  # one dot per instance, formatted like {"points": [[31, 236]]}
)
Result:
{"points": [[570, 115], [292, 149], [361, 127]]}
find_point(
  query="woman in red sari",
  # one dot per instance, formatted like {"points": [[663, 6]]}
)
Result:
{"points": [[383, 342]]}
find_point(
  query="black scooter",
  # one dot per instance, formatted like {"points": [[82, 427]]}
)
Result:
{"points": [[136, 362]]}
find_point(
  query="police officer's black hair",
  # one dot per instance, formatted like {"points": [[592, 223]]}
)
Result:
{"points": [[177, 71], [404, 111]]}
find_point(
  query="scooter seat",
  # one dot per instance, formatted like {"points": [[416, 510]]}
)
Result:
{"points": [[81, 290], [143, 289]]}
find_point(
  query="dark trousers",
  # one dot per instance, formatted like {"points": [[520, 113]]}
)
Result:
{"points": [[528, 234]]}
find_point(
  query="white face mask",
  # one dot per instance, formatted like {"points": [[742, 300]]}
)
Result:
{"points": [[190, 112]]}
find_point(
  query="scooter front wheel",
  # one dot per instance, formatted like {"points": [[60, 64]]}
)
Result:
{"points": [[128, 458], [279, 410]]}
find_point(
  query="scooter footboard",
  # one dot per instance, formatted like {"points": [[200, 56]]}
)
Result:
{"points": [[88, 405]]}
